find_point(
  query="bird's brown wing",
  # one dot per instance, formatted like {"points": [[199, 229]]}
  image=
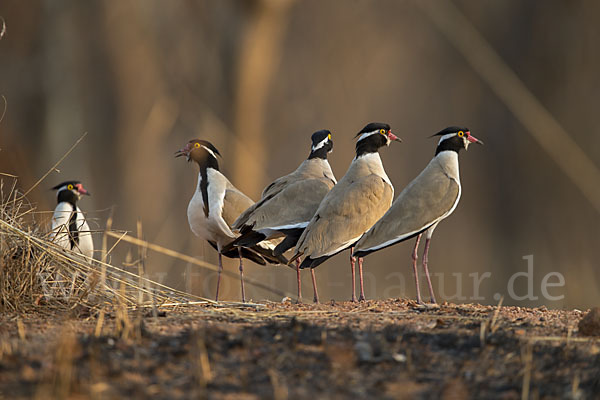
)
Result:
{"points": [[429, 197], [277, 186], [296, 203], [234, 203], [268, 193], [344, 215]]}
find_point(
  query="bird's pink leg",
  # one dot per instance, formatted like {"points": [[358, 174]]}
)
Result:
{"points": [[242, 275], [415, 272], [352, 266], [299, 282], [314, 281], [219, 276], [360, 273], [425, 259]]}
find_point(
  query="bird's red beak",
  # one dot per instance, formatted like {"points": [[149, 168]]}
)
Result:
{"points": [[81, 190], [393, 137], [184, 152], [473, 139]]}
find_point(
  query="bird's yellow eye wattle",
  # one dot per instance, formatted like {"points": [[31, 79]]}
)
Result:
{"points": [[461, 134], [70, 187], [196, 145], [382, 131], [329, 136]]}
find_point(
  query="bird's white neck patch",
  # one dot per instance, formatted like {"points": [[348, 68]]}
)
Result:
{"points": [[367, 134], [60, 189], [320, 144], [212, 153], [446, 136]]}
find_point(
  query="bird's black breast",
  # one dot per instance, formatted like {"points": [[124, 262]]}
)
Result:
{"points": [[204, 190], [73, 230]]}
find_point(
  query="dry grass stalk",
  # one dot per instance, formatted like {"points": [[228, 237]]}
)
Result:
{"points": [[142, 251], [482, 330], [527, 358], [21, 329], [203, 373], [493, 324], [280, 391], [5, 107], [99, 324]]}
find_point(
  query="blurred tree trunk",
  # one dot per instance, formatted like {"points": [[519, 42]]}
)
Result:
{"points": [[146, 113], [258, 61], [64, 52]]}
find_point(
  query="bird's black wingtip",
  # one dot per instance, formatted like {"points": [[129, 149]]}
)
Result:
{"points": [[313, 262], [306, 263], [361, 254]]}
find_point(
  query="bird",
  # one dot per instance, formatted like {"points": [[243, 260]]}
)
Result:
{"points": [[215, 205], [431, 197], [288, 203], [70, 229], [352, 206]]}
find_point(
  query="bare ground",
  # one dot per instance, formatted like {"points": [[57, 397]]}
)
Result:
{"points": [[377, 349]]}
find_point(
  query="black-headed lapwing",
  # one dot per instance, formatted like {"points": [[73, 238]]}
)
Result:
{"points": [[69, 226], [288, 203], [216, 203], [354, 204], [429, 198]]}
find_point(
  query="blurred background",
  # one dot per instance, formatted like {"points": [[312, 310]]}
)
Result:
{"points": [[256, 78]]}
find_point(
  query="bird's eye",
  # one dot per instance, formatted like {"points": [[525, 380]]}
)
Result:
{"points": [[382, 131], [461, 134], [70, 187], [197, 145]]}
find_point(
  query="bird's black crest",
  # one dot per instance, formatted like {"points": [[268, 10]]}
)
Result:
{"points": [[65, 184], [450, 129], [373, 126], [319, 136]]}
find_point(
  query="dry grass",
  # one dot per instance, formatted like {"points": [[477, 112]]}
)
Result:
{"points": [[35, 272]]}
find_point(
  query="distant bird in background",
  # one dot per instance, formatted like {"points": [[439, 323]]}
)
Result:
{"points": [[288, 203], [69, 226], [354, 204], [428, 199], [216, 203]]}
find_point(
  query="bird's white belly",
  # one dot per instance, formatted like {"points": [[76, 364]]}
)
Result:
{"points": [[60, 230], [203, 227], [86, 244]]}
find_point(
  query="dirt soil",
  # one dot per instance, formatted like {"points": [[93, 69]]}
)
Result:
{"points": [[377, 349]]}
